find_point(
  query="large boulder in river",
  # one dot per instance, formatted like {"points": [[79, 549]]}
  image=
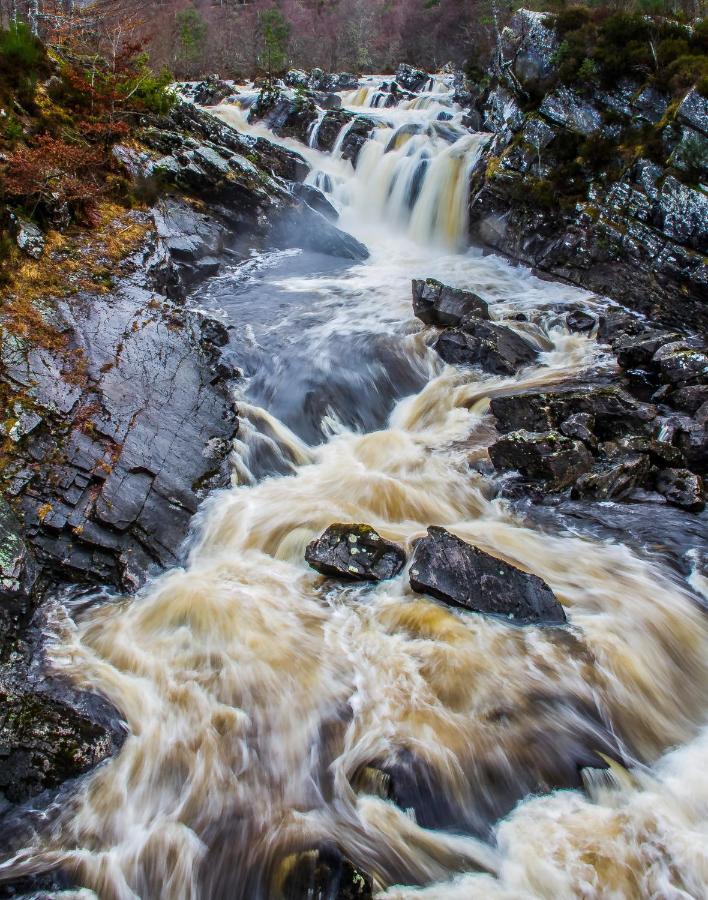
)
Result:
{"points": [[356, 552], [307, 228], [437, 304], [614, 411], [411, 79], [451, 570], [495, 348], [550, 457]]}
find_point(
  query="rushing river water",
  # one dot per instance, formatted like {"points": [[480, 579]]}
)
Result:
{"points": [[267, 707]]}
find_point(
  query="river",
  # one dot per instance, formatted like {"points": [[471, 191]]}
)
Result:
{"points": [[268, 708]]}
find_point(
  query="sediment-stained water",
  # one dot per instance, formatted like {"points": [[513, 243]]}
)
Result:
{"points": [[269, 709]]}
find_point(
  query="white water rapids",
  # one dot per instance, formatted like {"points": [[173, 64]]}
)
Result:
{"points": [[264, 703]]}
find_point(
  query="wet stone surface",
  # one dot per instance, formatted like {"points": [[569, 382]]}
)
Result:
{"points": [[451, 570], [437, 304], [355, 552], [495, 348]]}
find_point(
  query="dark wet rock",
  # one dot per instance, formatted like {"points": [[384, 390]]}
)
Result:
{"points": [[331, 125], [324, 873], [356, 552], [316, 199], [580, 321], [495, 348], [637, 351], [681, 213], [213, 332], [641, 239], [693, 111], [615, 477], [356, 137], [451, 570], [691, 438], [123, 457], [284, 112], [18, 574], [531, 45], [307, 228], [437, 304], [567, 108], [189, 123], [212, 91], [296, 78], [617, 324], [17, 569], [682, 488], [580, 426], [538, 133], [195, 241], [411, 79], [650, 105], [614, 411], [408, 129], [502, 111], [689, 399], [279, 161], [681, 364], [549, 457], [318, 80], [359, 128], [661, 453], [43, 742]]}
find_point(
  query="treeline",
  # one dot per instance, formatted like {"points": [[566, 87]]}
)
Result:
{"points": [[194, 38]]}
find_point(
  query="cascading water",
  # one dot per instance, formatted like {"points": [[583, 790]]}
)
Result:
{"points": [[266, 705]]}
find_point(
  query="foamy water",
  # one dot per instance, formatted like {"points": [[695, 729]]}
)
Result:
{"points": [[259, 696]]}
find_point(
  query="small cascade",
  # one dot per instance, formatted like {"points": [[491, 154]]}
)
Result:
{"points": [[270, 713], [341, 137], [315, 129], [418, 182], [413, 171]]}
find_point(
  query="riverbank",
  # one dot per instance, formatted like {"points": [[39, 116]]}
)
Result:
{"points": [[287, 724]]}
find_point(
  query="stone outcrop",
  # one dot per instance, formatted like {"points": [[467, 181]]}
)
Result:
{"points": [[121, 416], [550, 457], [495, 348], [209, 92], [110, 476], [606, 441], [451, 570], [553, 192], [410, 78], [355, 552], [437, 304]]}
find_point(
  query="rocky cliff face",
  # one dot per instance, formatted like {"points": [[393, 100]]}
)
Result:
{"points": [[120, 410], [601, 186]]}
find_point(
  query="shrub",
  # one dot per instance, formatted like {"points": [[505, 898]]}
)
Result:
{"points": [[53, 174], [22, 61], [597, 152], [572, 19], [13, 130], [686, 71], [20, 52], [153, 92], [588, 71]]}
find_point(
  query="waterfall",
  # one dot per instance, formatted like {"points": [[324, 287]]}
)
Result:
{"points": [[266, 705]]}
